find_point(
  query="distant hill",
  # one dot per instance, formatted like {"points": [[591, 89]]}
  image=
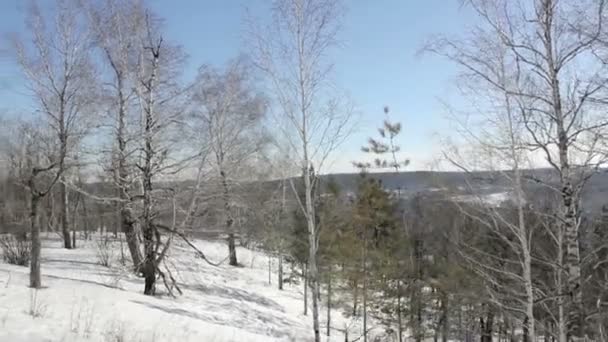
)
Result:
{"points": [[595, 194]]}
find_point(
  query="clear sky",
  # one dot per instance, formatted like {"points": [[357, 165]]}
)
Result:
{"points": [[378, 64]]}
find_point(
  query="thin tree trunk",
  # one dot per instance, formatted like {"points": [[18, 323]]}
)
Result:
{"points": [[35, 279], [65, 225], [305, 275], [399, 313], [364, 261], [460, 327], [416, 296], [269, 269], [329, 304], [561, 317], [149, 268], [313, 273], [280, 280], [73, 236], [282, 211], [445, 323], [526, 329], [355, 295], [75, 218]]}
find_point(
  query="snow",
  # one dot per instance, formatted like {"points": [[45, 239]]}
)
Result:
{"points": [[84, 301], [493, 199]]}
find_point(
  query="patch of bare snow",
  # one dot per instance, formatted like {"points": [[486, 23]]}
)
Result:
{"points": [[493, 199], [84, 301]]}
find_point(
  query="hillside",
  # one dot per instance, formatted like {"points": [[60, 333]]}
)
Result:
{"points": [[595, 193], [84, 301]]}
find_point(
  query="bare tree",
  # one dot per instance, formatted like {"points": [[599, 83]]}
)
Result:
{"points": [[230, 112], [292, 53], [36, 167], [117, 26], [158, 97], [545, 43], [58, 69]]}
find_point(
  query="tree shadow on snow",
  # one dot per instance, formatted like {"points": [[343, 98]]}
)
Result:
{"points": [[234, 316], [234, 294]]}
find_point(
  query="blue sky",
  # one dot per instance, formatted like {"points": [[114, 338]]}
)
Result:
{"points": [[378, 64]]}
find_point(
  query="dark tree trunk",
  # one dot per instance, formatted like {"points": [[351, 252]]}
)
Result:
{"points": [[35, 279], [364, 267], [232, 250], [416, 293], [305, 275], [329, 304], [149, 266], [280, 270], [526, 331], [65, 224], [149, 271], [487, 325], [445, 323], [355, 296], [399, 311], [74, 221]]}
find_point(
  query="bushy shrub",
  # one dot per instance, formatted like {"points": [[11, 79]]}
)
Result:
{"points": [[15, 249], [105, 253]]}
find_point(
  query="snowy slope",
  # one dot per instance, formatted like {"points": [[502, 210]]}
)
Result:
{"points": [[84, 301]]}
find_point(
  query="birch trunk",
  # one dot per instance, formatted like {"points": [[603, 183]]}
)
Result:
{"points": [[227, 211], [569, 198], [149, 264]]}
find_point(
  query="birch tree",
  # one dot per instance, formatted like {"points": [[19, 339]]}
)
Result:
{"points": [[158, 97], [230, 112], [117, 25], [545, 43], [496, 131], [35, 161], [57, 66], [292, 52]]}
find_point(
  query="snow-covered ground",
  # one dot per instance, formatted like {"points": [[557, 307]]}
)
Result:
{"points": [[492, 199], [84, 301]]}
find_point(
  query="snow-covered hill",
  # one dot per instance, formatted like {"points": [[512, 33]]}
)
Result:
{"points": [[84, 301]]}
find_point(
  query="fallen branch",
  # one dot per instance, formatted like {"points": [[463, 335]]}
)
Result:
{"points": [[198, 251]]}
